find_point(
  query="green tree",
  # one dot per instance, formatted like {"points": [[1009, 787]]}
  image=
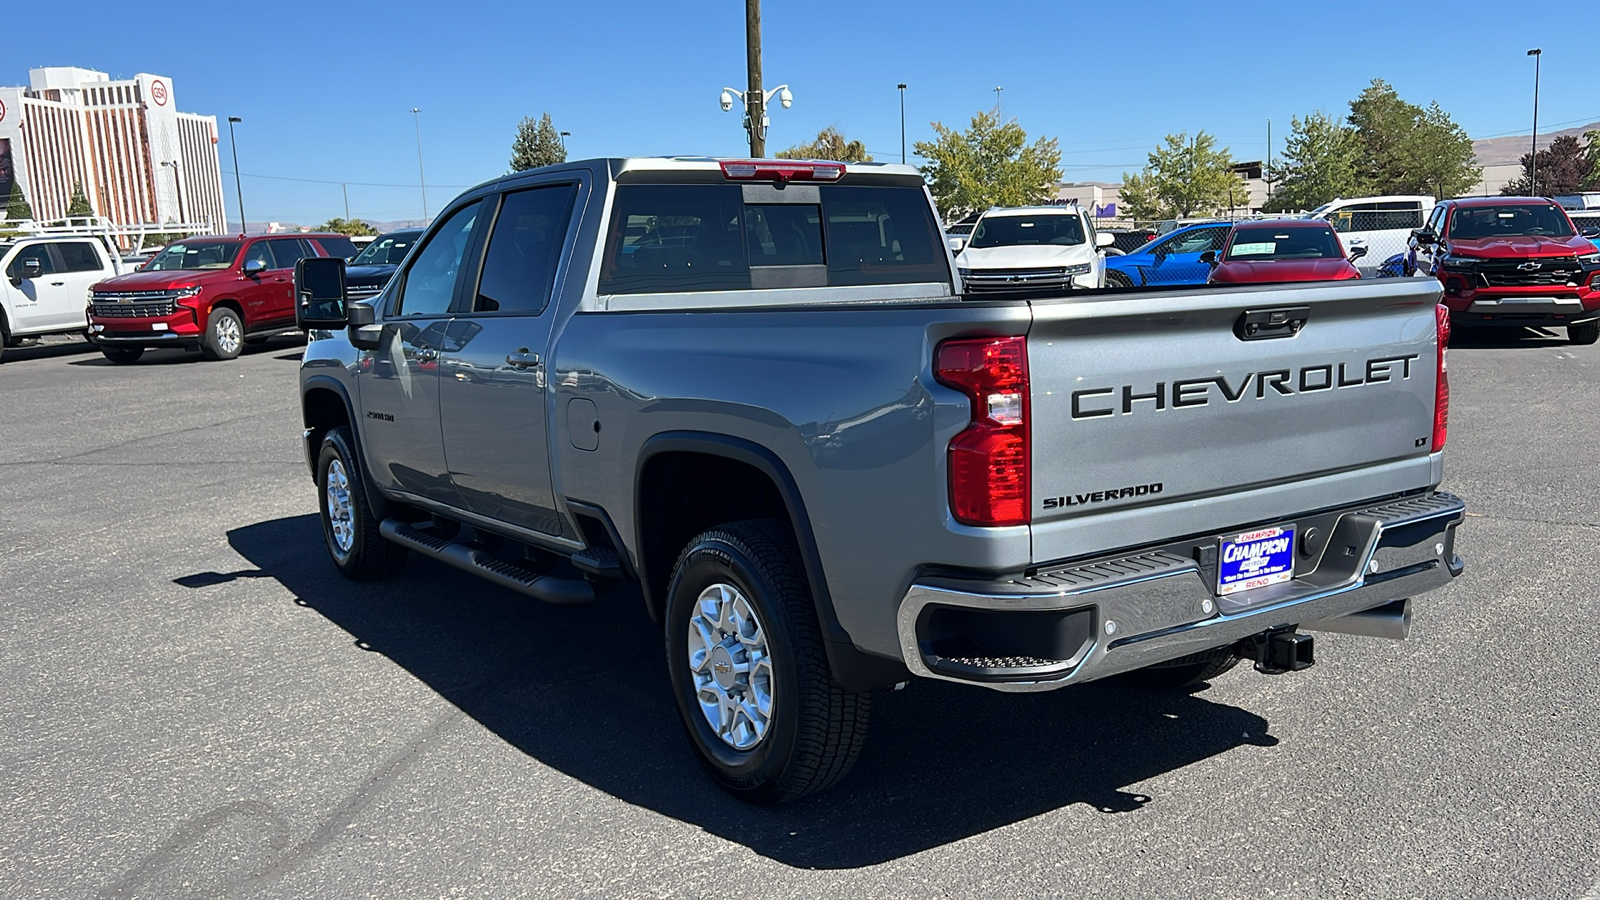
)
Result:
{"points": [[1184, 177], [79, 206], [1564, 167], [830, 144], [1405, 149], [1318, 164], [536, 144], [17, 206], [354, 227], [989, 164]]}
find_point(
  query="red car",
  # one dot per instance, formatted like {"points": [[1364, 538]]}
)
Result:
{"points": [[1282, 250], [1512, 261], [211, 294]]}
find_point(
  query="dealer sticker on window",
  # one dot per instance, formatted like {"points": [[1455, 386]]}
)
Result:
{"points": [[1256, 559]]}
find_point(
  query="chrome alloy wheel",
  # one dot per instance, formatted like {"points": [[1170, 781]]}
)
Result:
{"points": [[731, 666], [228, 335], [341, 512]]}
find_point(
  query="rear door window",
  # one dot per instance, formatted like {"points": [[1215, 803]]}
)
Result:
{"points": [[519, 268], [288, 251], [338, 246], [705, 237], [79, 256]]}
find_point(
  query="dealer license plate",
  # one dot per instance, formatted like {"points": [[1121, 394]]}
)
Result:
{"points": [[1255, 559]]}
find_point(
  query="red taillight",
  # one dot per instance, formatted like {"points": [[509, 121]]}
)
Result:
{"points": [[780, 170], [989, 460], [1441, 390]]}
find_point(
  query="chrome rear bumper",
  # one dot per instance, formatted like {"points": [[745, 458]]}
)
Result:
{"points": [[1147, 608]]}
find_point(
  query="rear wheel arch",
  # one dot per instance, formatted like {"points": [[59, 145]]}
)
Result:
{"points": [[753, 483]]}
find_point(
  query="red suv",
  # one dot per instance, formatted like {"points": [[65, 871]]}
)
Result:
{"points": [[1512, 261], [212, 294]]}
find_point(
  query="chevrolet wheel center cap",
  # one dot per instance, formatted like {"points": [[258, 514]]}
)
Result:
{"points": [[722, 667]]}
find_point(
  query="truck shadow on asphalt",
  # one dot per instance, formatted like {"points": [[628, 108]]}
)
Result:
{"points": [[584, 691], [1467, 337]]}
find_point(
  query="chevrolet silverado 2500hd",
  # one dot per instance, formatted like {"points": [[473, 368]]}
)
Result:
{"points": [[755, 389]]}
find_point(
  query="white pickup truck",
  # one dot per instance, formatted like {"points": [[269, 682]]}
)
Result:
{"points": [[45, 289]]}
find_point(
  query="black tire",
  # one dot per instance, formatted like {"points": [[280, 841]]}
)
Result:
{"points": [[1584, 333], [816, 728], [122, 356], [1185, 670], [369, 557], [1118, 280], [224, 336]]}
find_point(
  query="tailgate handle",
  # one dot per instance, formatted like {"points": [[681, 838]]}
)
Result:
{"points": [[1264, 324]]}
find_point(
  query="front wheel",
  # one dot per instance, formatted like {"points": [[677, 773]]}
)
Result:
{"points": [[749, 670], [349, 525], [1118, 280], [224, 334], [122, 356], [1584, 333]]}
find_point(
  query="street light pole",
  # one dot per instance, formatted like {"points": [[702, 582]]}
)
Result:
{"points": [[177, 185], [237, 185], [1533, 157], [902, 123], [997, 91], [422, 179], [564, 136]]}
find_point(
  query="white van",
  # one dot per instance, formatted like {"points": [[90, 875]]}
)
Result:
{"points": [[1381, 224]]}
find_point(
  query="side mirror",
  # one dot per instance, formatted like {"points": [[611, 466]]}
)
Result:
{"points": [[31, 268], [1102, 239], [1593, 231], [957, 244], [254, 267], [1357, 252], [1209, 257], [1425, 236], [319, 292]]}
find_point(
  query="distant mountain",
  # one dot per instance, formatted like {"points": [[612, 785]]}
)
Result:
{"points": [[1507, 151]]}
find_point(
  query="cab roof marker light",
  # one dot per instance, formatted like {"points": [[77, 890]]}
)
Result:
{"points": [[780, 170]]}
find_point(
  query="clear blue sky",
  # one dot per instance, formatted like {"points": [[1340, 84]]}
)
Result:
{"points": [[325, 89]]}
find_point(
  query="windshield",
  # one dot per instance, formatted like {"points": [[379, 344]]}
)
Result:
{"points": [[4, 249], [1258, 244], [1012, 231], [389, 250], [1318, 212], [217, 255], [1521, 220]]}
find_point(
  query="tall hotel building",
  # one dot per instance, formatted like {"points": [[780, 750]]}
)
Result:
{"points": [[140, 161]]}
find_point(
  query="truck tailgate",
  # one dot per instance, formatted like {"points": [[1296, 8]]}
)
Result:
{"points": [[1155, 416]]}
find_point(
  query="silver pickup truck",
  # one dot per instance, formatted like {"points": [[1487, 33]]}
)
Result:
{"points": [[753, 390]]}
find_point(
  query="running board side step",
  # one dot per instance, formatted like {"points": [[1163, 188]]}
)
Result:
{"points": [[547, 588]]}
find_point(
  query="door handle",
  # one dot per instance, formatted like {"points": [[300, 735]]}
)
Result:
{"points": [[522, 359], [57, 283]]}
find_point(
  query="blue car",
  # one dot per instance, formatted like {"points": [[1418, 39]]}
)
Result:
{"points": [[1173, 258]]}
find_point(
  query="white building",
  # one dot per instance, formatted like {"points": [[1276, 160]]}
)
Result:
{"points": [[139, 160]]}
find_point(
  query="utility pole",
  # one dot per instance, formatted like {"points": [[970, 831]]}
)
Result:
{"points": [[902, 123], [346, 189], [236, 183], [1269, 159], [422, 179], [1533, 155], [755, 99]]}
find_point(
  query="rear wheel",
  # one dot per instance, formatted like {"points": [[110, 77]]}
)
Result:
{"points": [[349, 525], [1185, 670], [224, 334], [122, 356], [1585, 333], [749, 671]]}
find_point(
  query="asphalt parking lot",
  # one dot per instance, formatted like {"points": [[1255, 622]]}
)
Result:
{"points": [[195, 705]]}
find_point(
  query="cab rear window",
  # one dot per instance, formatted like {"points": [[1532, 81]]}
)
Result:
{"points": [[680, 238]]}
